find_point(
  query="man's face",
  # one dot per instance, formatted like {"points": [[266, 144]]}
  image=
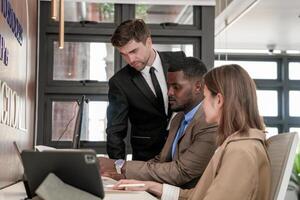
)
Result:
{"points": [[136, 54], [183, 93]]}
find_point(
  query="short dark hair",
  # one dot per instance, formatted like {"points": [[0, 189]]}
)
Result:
{"points": [[192, 67], [133, 29]]}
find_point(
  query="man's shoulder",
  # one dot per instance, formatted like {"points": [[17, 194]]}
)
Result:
{"points": [[124, 72]]}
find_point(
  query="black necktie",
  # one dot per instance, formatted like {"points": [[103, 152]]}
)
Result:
{"points": [[159, 95]]}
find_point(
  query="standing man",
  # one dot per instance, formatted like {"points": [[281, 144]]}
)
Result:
{"points": [[191, 141], [138, 93]]}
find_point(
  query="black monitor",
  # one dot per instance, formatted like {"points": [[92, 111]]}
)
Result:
{"points": [[78, 124], [78, 168]]}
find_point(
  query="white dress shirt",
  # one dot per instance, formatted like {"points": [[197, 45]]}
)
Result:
{"points": [[159, 72], [170, 192]]}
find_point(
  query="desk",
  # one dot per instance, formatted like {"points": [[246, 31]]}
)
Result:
{"points": [[17, 192]]}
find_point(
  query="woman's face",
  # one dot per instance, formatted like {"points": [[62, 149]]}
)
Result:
{"points": [[212, 106]]}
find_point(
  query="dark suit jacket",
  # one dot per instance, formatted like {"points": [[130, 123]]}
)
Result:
{"points": [[193, 152], [130, 98]]}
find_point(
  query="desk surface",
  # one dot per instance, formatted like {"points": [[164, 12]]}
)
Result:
{"points": [[17, 192]]}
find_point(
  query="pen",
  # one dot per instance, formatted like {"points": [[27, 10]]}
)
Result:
{"points": [[127, 185]]}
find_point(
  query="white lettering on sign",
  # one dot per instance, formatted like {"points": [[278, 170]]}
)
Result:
{"points": [[9, 106]]}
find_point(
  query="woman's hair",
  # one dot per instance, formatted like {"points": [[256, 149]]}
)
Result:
{"points": [[240, 110]]}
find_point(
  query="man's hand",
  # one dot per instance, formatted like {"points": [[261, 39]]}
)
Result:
{"points": [[149, 186], [106, 165], [107, 168], [114, 175]]}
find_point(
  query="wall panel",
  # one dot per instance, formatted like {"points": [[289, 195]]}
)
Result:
{"points": [[18, 30]]}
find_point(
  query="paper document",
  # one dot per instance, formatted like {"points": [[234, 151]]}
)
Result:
{"points": [[41, 148]]}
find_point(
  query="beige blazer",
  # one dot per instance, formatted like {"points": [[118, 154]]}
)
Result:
{"points": [[194, 150], [239, 170]]}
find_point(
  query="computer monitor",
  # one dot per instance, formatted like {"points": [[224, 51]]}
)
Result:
{"points": [[78, 124], [78, 168]]}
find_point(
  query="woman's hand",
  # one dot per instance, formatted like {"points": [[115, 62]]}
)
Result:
{"points": [[149, 186]]}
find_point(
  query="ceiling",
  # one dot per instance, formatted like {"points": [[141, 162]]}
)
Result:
{"points": [[268, 22]]}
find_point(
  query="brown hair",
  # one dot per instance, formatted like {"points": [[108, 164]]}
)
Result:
{"points": [[240, 110], [134, 29]]}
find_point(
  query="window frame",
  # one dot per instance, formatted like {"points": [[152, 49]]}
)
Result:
{"points": [[200, 36], [282, 84]]}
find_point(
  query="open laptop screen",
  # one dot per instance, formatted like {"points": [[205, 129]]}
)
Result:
{"points": [[78, 168]]}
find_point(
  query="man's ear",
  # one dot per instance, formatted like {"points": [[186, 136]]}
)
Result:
{"points": [[198, 87], [149, 41]]}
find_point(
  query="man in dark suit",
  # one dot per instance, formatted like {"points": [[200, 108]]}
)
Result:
{"points": [[138, 93]]}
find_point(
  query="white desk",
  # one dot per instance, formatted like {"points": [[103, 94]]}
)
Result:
{"points": [[17, 192]]}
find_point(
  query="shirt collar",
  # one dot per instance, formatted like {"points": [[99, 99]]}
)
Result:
{"points": [[190, 115], [155, 64]]}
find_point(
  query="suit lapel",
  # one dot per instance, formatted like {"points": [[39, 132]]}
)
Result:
{"points": [[199, 113], [166, 151], [141, 84], [164, 63]]}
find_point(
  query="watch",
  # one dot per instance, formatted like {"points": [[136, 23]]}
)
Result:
{"points": [[118, 165]]}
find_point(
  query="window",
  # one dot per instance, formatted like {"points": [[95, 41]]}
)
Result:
{"points": [[187, 48], [83, 61], [294, 103], [271, 131], [256, 69], [295, 129], [80, 11], [278, 86], [64, 115], [156, 14], [294, 70], [267, 102]]}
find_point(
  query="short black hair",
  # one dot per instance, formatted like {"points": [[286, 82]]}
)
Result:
{"points": [[192, 67]]}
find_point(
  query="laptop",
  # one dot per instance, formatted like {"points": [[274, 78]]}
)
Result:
{"points": [[78, 168]]}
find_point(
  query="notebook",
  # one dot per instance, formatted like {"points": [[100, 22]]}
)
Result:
{"points": [[78, 168]]}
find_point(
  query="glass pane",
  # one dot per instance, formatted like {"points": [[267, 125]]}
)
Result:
{"points": [[295, 129], [83, 61], [63, 120], [186, 48], [93, 125], [294, 70], [271, 131], [256, 69], [156, 14], [267, 102], [88, 12], [294, 103]]}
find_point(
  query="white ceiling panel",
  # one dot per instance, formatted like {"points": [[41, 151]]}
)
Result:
{"points": [[268, 22]]}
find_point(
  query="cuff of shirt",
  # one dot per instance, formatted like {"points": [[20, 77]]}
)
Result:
{"points": [[170, 192]]}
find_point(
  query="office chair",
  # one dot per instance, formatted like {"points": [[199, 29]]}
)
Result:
{"points": [[282, 150]]}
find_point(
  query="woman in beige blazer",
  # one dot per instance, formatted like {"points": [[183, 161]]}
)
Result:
{"points": [[240, 168]]}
